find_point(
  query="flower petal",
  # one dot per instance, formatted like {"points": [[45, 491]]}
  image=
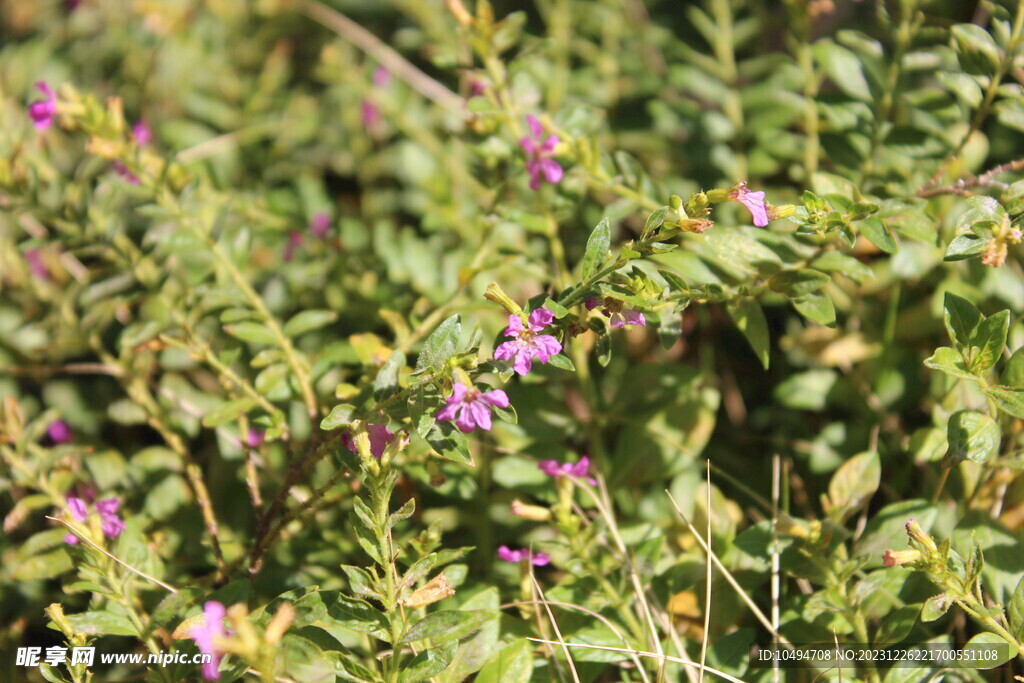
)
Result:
{"points": [[540, 319], [552, 171], [535, 126], [497, 397]]}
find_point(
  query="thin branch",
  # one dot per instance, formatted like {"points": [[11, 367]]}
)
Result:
{"points": [[641, 653], [385, 55], [124, 564], [554, 625]]}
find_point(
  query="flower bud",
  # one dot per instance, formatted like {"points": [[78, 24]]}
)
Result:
{"points": [[279, 623], [781, 211], [533, 513], [919, 537], [788, 526], [675, 202], [716, 196], [697, 225], [496, 294], [893, 558]]}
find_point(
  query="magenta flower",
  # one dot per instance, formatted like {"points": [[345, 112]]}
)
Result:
{"points": [[370, 115], [580, 470], [59, 432], [36, 265], [111, 524], [295, 240], [42, 112], [255, 437], [125, 174], [527, 344], [380, 438], [754, 201], [207, 635], [381, 77], [538, 155], [470, 407], [618, 316], [142, 133], [536, 559], [320, 225]]}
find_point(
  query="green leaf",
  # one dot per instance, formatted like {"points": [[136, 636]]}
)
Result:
{"points": [[445, 625], [441, 344], [43, 566], [597, 249], [972, 436], [474, 651], [102, 623], [965, 246], [307, 321], [428, 663], [750, 320], [1010, 401], [878, 233], [562, 362], [361, 583], [798, 283], [989, 338], [249, 331], [843, 68], [339, 416], [980, 209], [897, 624], [854, 483], [1013, 373], [355, 615], [983, 644], [962, 85], [655, 220], [949, 361], [513, 664], [816, 307], [386, 381], [228, 412], [838, 262], [976, 46], [1015, 612], [935, 607]]}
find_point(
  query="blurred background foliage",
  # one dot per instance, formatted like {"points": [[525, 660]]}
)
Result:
{"points": [[273, 112]]}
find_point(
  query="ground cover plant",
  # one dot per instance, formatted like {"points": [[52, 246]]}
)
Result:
{"points": [[611, 340]]}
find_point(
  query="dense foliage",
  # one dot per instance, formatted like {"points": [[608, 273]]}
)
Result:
{"points": [[588, 340]]}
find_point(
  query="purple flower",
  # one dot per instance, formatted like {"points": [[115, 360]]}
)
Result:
{"points": [[381, 77], [754, 201], [42, 112], [111, 524], [613, 309], [78, 510], [380, 438], [580, 470], [255, 437], [527, 344], [320, 225], [59, 432], [536, 559], [35, 264], [295, 240], [125, 174], [207, 635], [470, 407], [142, 133], [370, 115], [538, 155]]}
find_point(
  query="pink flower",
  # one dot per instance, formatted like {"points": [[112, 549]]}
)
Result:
{"points": [[295, 240], [142, 133], [111, 524], [207, 635], [59, 432], [255, 437], [370, 115], [380, 438], [580, 470], [320, 225], [536, 559], [36, 265], [754, 201], [42, 112], [613, 309], [125, 174], [381, 77], [470, 407], [538, 155], [527, 344]]}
